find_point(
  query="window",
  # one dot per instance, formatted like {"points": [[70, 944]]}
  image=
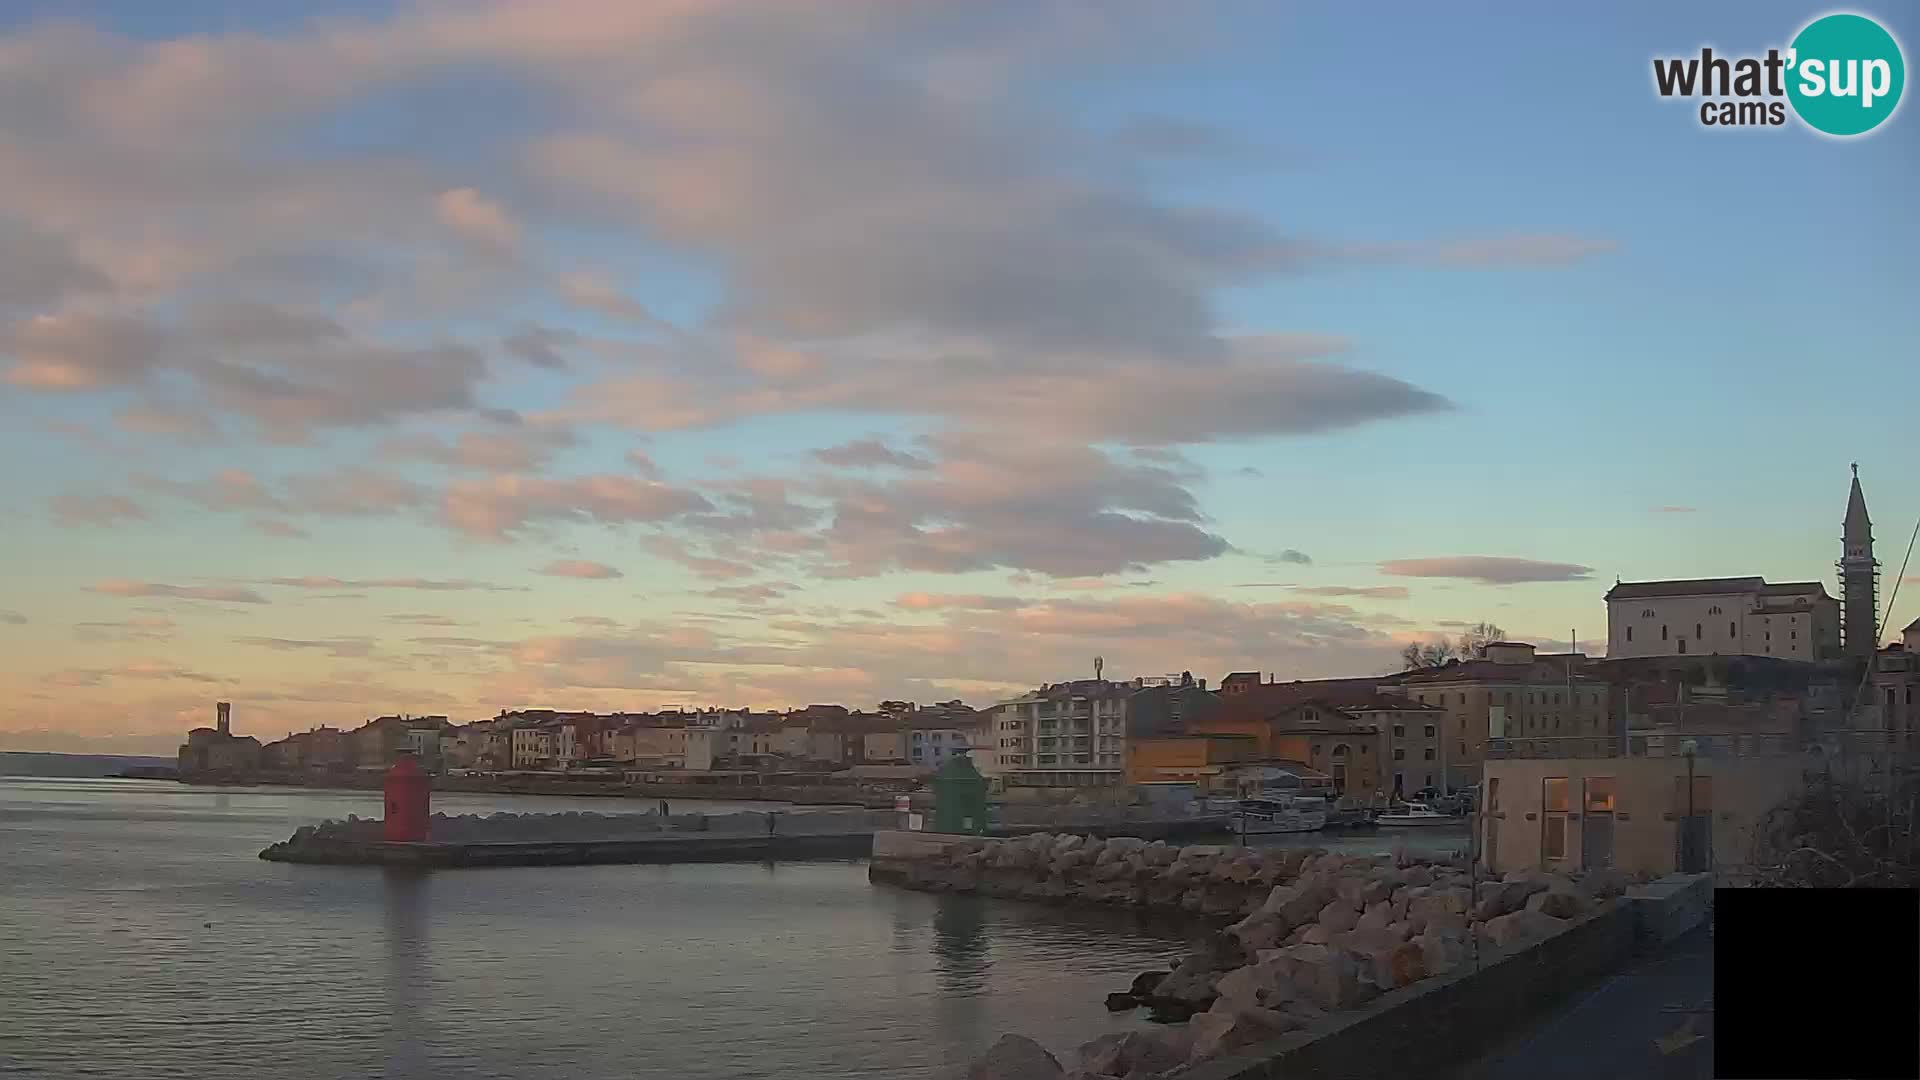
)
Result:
{"points": [[1629, 633], [1429, 731], [1647, 614], [1554, 798], [1714, 610], [1428, 754], [1463, 750], [1399, 731], [1399, 754], [1732, 630], [1600, 795], [1663, 631], [1698, 632], [1463, 699], [1795, 635], [1683, 646]]}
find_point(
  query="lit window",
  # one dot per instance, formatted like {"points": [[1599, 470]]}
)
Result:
{"points": [[1554, 802]]}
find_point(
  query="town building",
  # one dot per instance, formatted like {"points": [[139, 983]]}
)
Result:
{"points": [[1859, 578], [1510, 692], [1199, 759], [1069, 734], [1737, 616], [1894, 705], [1355, 735], [217, 750]]}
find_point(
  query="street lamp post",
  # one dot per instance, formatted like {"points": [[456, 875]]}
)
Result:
{"points": [[1689, 748]]}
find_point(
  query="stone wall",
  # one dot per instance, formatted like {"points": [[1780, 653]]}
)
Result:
{"points": [[1324, 947]]}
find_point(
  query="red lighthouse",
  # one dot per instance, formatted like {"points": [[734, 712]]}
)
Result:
{"points": [[409, 801]]}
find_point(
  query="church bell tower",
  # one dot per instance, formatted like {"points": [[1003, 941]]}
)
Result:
{"points": [[1859, 578]]}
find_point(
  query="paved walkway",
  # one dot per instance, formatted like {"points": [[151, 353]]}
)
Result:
{"points": [[1653, 1021]]}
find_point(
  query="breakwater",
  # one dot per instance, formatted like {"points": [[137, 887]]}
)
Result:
{"points": [[1326, 957], [797, 794], [576, 839]]}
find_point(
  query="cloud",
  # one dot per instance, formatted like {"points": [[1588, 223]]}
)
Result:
{"points": [[478, 220], [157, 670], [284, 530], [999, 501], [599, 294], [580, 568], [1675, 509], [41, 269], [520, 451], [353, 490], [869, 453], [346, 648], [228, 489], [751, 595], [1298, 558], [422, 619], [1496, 252], [137, 628], [499, 506], [422, 584], [94, 509], [216, 593], [1487, 569], [12, 618], [540, 346], [1371, 592], [919, 601]]}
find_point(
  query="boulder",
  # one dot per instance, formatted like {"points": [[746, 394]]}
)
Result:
{"points": [[1560, 901], [1391, 965], [1377, 890], [1144, 982], [1260, 930], [1315, 934], [1519, 929], [1495, 898], [1299, 902], [1015, 1057], [1217, 1032], [1329, 978], [1135, 1053], [1441, 952], [1351, 891], [1416, 876], [1603, 884], [1378, 916], [1338, 916], [1195, 852]]}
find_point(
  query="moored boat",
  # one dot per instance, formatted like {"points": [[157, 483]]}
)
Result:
{"points": [[1413, 815], [1278, 814]]}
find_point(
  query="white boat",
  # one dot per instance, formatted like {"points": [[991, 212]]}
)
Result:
{"points": [[1413, 815], [1278, 814]]}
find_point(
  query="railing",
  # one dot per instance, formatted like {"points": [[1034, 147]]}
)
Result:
{"points": [[1744, 744]]}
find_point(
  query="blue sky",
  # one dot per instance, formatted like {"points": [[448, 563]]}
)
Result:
{"points": [[1103, 314]]}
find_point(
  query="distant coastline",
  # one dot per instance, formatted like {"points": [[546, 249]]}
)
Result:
{"points": [[42, 763], [807, 795]]}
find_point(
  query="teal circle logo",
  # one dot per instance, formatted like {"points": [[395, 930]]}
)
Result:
{"points": [[1845, 74]]}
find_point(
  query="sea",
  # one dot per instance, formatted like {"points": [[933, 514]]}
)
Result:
{"points": [[141, 936]]}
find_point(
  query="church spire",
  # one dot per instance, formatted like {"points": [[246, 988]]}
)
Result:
{"points": [[1859, 577]]}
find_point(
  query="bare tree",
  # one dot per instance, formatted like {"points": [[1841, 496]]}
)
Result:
{"points": [[1840, 833], [1432, 654], [1475, 639]]}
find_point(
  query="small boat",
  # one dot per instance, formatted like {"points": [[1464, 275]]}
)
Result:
{"points": [[1413, 815], [1278, 814]]}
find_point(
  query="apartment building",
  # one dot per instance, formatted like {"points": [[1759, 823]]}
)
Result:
{"points": [[1071, 734], [1510, 693]]}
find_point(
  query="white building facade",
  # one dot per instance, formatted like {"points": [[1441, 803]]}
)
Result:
{"points": [[1064, 735], [1741, 616]]}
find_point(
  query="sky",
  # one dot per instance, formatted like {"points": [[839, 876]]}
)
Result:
{"points": [[455, 357]]}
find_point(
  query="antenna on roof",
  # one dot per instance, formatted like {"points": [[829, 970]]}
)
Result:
{"points": [[1099, 663]]}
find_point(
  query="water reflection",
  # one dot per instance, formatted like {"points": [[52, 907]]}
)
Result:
{"points": [[409, 1008]]}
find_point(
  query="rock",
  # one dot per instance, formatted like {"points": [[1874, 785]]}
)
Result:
{"points": [[1338, 916], [1315, 934], [1144, 982], [1602, 884], [1329, 978], [1015, 1057], [1122, 1002], [1417, 876], [1350, 891], [1378, 916], [1441, 952], [1497, 898], [1519, 928], [1560, 901], [1195, 852], [1378, 890], [1261, 930], [1299, 902], [1400, 929], [1392, 965], [1135, 1053], [1216, 1032]]}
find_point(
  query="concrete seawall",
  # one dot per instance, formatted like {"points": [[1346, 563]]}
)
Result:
{"points": [[664, 849]]}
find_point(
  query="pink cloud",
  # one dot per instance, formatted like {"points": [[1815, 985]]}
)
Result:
{"points": [[217, 593], [94, 509], [496, 507], [580, 568], [1486, 569]]}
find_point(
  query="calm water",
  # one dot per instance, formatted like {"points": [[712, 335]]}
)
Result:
{"points": [[141, 937]]}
